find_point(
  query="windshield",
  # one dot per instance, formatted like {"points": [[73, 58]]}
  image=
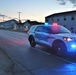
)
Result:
{"points": [[58, 29]]}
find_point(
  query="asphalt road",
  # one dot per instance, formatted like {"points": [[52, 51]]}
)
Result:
{"points": [[33, 61]]}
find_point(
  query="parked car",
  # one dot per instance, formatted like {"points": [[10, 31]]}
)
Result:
{"points": [[56, 36]]}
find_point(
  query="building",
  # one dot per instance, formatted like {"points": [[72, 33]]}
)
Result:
{"points": [[10, 24], [28, 24], [67, 19], [20, 25]]}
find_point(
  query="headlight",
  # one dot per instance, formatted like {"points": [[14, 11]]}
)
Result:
{"points": [[68, 39]]}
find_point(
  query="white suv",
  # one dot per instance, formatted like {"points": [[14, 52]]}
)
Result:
{"points": [[55, 36]]}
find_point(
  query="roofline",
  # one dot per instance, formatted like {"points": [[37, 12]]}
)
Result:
{"points": [[60, 13]]}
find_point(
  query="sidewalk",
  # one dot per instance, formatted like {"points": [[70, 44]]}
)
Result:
{"points": [[8, 67], [5, 64]]}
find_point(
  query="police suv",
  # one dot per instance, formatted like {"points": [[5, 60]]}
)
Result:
{"points": [[56, 36]]}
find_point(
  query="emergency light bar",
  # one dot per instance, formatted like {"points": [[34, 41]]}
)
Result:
{"points": [[55, 24]]}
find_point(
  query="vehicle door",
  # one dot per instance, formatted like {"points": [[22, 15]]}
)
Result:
{"points": [[38, 33], [47, 35]]}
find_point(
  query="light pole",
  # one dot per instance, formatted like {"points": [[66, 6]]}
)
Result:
{"points": [[19, 15]]}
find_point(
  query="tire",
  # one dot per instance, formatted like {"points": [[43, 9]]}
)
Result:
{"points": [[32, 42], [59, 48]]}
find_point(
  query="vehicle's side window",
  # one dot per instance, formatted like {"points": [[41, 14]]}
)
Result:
{"points": [[46, 30], [31, 29], [39, 29]]}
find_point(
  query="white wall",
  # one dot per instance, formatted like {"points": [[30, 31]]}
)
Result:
{"points": [[68, 22]]}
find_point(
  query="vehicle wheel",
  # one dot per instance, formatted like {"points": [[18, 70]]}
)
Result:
{"points": [[59, 48], [32, 42]]}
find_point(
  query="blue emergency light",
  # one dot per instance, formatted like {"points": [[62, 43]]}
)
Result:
{"points": [[46, 24]]}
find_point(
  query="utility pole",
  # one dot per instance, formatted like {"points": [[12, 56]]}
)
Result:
{"points": [[3, 18], [19, 19], [19, 15]]}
